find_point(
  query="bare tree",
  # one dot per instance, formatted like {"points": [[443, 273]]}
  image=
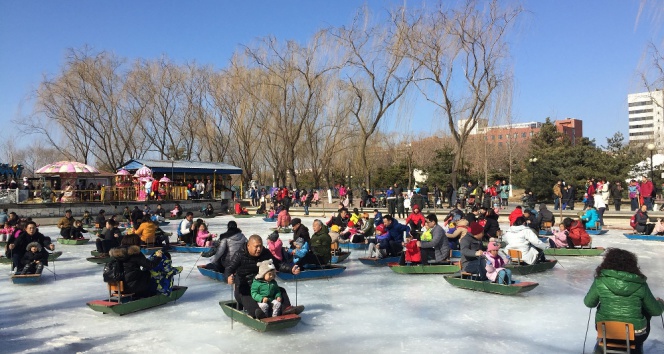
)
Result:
{"points": [[378, 71], [653, 78], [462, 54]]}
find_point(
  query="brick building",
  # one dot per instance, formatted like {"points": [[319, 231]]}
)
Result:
{"points": [[518, 133]]}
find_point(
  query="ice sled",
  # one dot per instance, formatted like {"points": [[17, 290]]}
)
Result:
{"points": [[25, 279], [378, 262], [589, 252], [424, 269], [465, 281], [64, 241], [263, 325], [212, 273], [644, 237], [342, 256], [317, 273], [120, 303]]}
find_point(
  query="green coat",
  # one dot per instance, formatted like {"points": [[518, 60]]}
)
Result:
{"points": [[623, 297], [260, 289], [321, 245]]}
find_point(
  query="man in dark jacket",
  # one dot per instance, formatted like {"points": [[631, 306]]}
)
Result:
{"points": [[321, 243], [100, 220], [299, 230], [136, 217], [472, 250], [243, 269], [26, 237], [340, 220], [545, 216], [643, 226]]}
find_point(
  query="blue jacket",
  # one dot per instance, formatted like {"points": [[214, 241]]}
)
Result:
{"points": [[383, 240], [396, 231], [590, 218], [299, 253], [378, 219]]}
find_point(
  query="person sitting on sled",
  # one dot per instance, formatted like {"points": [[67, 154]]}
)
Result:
{"points": [[87, 218], [163, 273], [522, 238], [379, 248], [560, 238], [624, 295], [275, 245], [77, 230], [412, 253], [33, 260], [265, 290], [472, 259], [495, 265], [433, 243], [203, 236], [243, 269]]}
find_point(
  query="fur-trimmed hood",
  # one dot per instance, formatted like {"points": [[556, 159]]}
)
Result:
{"points": [[34, 244], [124, 252]]}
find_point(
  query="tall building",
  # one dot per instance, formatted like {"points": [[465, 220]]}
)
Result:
{"points": [[646, 123]]}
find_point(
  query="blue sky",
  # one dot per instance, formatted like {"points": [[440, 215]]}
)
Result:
{"points": [[571, 58]]}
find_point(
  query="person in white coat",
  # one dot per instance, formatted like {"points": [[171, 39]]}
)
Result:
{"points": [[521, 237]]}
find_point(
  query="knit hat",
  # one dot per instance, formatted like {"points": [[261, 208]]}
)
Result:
{"points": [[334, 228], [475, 228], [416, 207], [232, 224], [34, 244], [493, 246], [264, 267], [299, 241], [380, 229]]}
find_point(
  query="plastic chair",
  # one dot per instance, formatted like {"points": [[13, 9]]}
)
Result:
{"points": [[615, 337]]}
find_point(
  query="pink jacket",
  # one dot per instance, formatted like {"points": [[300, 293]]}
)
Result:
{"points": [[201, 237], [284, 219], [494, 265], [659, 228], [275, 249], [560, 238]]}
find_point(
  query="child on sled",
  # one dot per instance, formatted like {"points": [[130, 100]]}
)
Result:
{"points": [[265, 291], [33, 260], [495, 265], [203, 236]]}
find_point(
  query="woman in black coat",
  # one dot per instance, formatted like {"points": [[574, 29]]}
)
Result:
{"points": [[491, 227], [136, 267]]}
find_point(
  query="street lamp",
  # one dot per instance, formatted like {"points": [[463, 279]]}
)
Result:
{"points": [[651, 147], [410, 167], [532, 161]]}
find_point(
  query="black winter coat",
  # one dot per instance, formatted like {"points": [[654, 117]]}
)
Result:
{"points": [[245, 266], [30, 257], [303, 232], [24, 239], [136, 268], [491, 227]]}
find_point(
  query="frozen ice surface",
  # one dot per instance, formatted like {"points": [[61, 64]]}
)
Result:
{"points": [[364, 310]]}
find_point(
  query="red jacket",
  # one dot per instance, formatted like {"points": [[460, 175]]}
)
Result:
{"points": [[413, 252], [417, 219], [517, 213], [578, 234], [646, 189]]}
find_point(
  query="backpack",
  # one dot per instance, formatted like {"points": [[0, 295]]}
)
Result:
{"points": [[632, 222], [113, 271]]}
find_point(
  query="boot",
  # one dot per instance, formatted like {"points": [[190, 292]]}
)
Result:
{"points": [[259, 314]]}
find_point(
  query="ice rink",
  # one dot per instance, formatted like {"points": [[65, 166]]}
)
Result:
{"points": [[363, 310]]}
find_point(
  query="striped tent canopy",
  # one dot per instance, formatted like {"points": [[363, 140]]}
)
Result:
{"points": [[67, 167]]}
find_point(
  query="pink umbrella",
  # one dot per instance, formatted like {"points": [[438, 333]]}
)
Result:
{"points": [[67, 168]]}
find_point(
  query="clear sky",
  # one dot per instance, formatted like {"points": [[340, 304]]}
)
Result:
{"points": [[571, 58]]}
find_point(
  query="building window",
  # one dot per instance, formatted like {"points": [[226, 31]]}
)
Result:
{"points": [[515, 135], [500, 143], [500, 136], [531, 134], [641, 111], [636, 119], [493, 137], [635, 104], [523, 135], [641, 126], [641, 133]]}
